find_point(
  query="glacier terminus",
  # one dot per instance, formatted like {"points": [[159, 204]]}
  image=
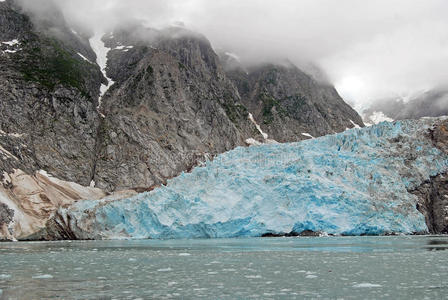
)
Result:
{"points": [[358, 182]]}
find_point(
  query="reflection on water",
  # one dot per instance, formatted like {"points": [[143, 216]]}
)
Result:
{"points": [[437, 245], [398, 267]]}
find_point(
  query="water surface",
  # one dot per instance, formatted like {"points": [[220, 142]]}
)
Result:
{"points": [[414, 267]]}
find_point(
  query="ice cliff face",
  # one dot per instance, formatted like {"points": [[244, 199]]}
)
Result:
{"points": [[356, 182]]}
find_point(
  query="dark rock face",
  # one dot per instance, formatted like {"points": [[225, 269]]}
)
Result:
{"points": [[439, 136], [6, 218], [433, 203], [433, 195], [48, 97], [286, 102], [172, 106], [310, 233], [57, 228], [6, 214], [289, 234]]}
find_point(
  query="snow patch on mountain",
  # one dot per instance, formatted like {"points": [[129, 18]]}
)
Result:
{"points": [[252, 141], [12, 42], [101, 51], [11, 51], [124, 48], [308, 135], [354, 124], [233, 55], [251, 118], [83, 57]]}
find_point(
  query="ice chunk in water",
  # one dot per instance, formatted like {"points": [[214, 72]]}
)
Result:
{"points": [[366, 285], [43, 276]]}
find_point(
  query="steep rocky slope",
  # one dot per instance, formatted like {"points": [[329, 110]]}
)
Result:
{"points": [[289, 104], [433, 193], [48, 96], [172, 106]]}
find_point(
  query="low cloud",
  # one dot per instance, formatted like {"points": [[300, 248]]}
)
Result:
{"points": [[370, 50]]}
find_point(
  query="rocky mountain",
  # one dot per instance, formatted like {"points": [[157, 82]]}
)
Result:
{"points": [[433, 103], [48, 98], [84, 116], [288, 103], [172, 105]]}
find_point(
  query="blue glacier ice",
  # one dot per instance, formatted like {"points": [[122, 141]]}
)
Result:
{"points": [[353, 183]]}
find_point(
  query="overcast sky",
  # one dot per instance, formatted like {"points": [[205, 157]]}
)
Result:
{"points": [[370, 49]]}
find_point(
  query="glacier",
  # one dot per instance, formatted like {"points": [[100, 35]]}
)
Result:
{"points": [[352, 183]]}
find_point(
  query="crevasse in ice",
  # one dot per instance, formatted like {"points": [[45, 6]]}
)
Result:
{"points": [[355, 182]]}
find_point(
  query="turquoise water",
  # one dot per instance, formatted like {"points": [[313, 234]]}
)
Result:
{"points": [[402, 267]]}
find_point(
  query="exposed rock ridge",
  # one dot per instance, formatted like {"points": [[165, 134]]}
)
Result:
{"points": [[172, 107], [433, 203]]}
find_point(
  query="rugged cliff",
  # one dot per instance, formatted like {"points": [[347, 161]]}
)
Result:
{"points": [[289, 104], [171, 106], [433, 193], [48, 96]]}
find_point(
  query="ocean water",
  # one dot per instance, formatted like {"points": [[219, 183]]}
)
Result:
{"points": [[396, 267]]}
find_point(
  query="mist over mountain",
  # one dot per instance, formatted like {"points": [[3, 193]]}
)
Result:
{"points": [[432, 103], [370, 50]]}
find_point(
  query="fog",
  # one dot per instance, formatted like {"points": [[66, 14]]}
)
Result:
{"points": [[370, 49]]}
